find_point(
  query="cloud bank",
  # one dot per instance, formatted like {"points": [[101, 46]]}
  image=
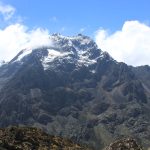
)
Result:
{"points": [[131, 44], [17, 37]]}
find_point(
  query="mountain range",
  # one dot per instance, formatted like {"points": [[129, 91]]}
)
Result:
{"points": [[74, 89]]}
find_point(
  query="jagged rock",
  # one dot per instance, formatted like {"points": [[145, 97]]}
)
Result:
{"points": [[124, 144]]}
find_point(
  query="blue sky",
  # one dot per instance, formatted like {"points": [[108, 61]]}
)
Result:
{"points": [[120, 27], [72, 16]]}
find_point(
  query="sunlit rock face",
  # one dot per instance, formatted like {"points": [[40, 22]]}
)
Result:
{"points": [[124, 144], [27, 138]]}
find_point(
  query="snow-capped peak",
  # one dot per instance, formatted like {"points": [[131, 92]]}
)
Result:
{"points": [[79, 50], [81, 37]]}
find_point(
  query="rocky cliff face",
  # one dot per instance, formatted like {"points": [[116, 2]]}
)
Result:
{"points": [[75, 90]]}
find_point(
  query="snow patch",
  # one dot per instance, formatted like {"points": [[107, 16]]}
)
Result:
{"points": [[52, 55], [93, 71], [24, 53], [84, 60], [69, 43], [85, 41]]}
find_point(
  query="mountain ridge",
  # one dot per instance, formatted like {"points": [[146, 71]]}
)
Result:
{"points": [[82, 94]]}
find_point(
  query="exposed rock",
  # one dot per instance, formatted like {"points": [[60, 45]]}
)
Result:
{"points": [[27, 138], [124, 144]]}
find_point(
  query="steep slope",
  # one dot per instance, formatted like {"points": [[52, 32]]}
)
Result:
{"points": [[75, 90]]}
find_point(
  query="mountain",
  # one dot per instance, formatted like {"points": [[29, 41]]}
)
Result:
{"points": [[27, 138], [73, 89]]}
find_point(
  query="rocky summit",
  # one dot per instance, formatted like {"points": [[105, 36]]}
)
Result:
{"points": [[124, 144], [28, 138], [75, 90]]}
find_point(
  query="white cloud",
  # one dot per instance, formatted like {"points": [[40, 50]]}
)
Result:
{"points": [[131, 44], [7, 11], [17, 37]]}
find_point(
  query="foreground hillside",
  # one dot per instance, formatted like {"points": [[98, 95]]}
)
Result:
{"points": [[27, 138], [75, 90], [124, 144]]}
